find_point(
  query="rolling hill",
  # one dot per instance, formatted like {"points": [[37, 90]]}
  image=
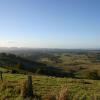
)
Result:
{"points": [[21, 65]]}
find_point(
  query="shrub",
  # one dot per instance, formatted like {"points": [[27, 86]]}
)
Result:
{"points": [[24, 89], [93, 75], [63, 94], [4, 85]]}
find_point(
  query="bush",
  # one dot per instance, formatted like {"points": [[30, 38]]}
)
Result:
{"points": [[24, 89], [63, 94], [93, 75]]}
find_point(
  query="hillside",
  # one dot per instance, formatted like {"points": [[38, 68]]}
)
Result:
{"points": [[75, 64], [14, 62], [45, 87], [21, 65], [71, 79]]}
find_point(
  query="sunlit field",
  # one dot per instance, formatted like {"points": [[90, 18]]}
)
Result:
{"points": [[47, 87]]}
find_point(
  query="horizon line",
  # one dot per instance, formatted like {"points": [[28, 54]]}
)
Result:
{"points": [[49, 48]]}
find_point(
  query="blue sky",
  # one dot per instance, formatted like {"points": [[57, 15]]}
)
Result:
{"points": [[50, 23]]}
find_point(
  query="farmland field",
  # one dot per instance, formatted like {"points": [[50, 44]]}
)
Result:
{"points": [[45, 87]]}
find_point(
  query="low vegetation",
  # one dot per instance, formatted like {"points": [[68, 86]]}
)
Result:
{"points": [[60, 75], [14, 87]]}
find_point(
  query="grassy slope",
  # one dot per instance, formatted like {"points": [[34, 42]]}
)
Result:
{"points": [[22, 65], [44, 86], [3, 69]]}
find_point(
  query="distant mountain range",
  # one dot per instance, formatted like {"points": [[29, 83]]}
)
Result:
{"points": [[10, 49]]}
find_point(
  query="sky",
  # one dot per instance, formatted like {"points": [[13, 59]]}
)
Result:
{"points": [[50, 23]]}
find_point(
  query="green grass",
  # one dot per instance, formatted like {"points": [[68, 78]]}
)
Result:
{"points": [[43, 86], [3, 69]]}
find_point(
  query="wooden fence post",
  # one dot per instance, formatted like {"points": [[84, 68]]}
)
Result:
{"points": [[1, 76], [30, 87]]}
